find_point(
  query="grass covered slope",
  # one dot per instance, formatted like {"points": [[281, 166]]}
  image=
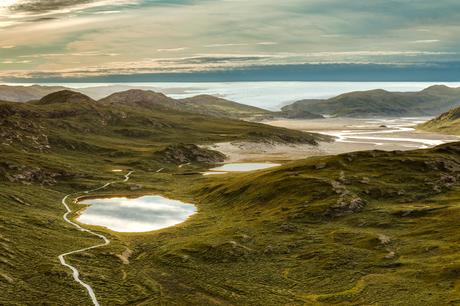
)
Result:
{"points": [[70, 118], [430, 101], [203, 104], [356, 229], [447, 123], [211, 105], [359, 229], [67, 142]]}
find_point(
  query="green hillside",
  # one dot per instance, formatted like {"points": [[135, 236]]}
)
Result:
{"points": [[211, 105], [431, 101], [360, 228], [447, 123], [355, 229]]}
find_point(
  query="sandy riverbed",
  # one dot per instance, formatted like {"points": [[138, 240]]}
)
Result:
{"points": [[351, 135]]}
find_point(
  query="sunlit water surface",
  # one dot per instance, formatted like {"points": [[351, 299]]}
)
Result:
{"points": [[143, 214]]}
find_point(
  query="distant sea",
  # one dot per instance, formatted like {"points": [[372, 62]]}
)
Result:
{"points": [[268, 95]]}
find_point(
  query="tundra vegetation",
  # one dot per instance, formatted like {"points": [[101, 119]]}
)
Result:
{"points": [[358, 228]]}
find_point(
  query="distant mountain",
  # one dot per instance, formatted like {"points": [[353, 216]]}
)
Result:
{"points": [[26, 93], [446, 123], [204, 104], [72, 120], [201, 104], [130, 96], [211, 105], [65, 96], [141, 98], [428, 102]]}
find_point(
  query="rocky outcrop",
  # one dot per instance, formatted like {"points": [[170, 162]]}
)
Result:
{"points": [[19, 127], [189, 153], [31, 175], [346, 205]]}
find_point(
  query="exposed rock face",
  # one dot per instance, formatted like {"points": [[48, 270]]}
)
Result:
{"points": [[346, 205], [189, 153], [29, 175], [384, 239], [20, 127]]}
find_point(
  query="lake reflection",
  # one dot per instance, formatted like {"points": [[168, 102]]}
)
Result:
{"points": [[141, 214]]}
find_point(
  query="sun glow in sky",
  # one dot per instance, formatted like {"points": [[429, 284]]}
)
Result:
{"points": [[101, 37]]}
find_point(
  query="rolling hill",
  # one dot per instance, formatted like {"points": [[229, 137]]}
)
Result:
{"points": [[67, 122], [428, 102], [358, 228], [202, 104], [26, 93], [207, 104], [447, 123], [120, 94]]}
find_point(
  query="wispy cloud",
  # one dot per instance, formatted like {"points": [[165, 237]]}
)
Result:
{"points": [[266, 43], [172, 49], [226, 45], [426, 41], [102, 36], [34, 7], [15, 62]]}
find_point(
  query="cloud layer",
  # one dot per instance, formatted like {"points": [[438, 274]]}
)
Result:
{"points": [[98, 37]]}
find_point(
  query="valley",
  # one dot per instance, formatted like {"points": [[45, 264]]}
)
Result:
{"points": [[229, 153], [329, 229]]}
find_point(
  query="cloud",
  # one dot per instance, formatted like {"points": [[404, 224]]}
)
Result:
{"points": [[172, 49], [266, 43], [44, 6], [37, 6], [226, 45], [15, 62], [426, 41], [101, 36]]}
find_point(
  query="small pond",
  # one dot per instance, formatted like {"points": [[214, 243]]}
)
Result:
{"points": [[143, 214]]}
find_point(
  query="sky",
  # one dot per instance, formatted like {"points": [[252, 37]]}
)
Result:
{"points": [[103, 39]]}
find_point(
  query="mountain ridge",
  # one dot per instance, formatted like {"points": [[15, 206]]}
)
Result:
{"points": [[378, 102], [446, 123]]}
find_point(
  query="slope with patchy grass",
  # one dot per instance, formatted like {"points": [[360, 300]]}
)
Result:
{"points": [[359, 228], [447, 123], [430, 101]]}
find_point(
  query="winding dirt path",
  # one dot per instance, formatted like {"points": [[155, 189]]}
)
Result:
{"points": [[75, 273]]}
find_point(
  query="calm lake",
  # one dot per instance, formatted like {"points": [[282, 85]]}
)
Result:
{"points": [[143, 214]]}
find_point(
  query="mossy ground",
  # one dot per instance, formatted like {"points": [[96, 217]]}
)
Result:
{"points": [[273, 237], [258, 239]]}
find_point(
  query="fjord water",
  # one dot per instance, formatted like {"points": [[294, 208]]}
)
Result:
{"points": [[143, 214]]}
